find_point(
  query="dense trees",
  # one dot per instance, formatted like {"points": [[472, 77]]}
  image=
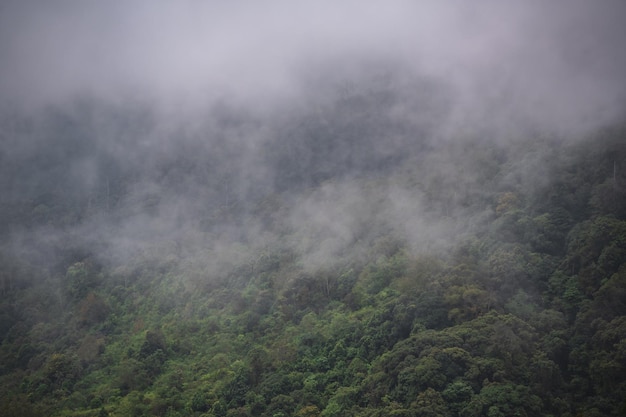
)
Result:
{"points": [[492, 285]]}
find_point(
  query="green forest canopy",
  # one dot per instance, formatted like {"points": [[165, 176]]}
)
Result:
{"points": [[473, 277]]}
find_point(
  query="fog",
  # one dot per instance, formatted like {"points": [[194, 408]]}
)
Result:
{"points": [[209, 132], [566, 60]]}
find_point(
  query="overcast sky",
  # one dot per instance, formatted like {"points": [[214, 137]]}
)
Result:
{"points": [[562, 61]]}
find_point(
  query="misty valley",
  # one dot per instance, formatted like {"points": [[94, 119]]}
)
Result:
{"points": [[305, 266], [312, 209]]}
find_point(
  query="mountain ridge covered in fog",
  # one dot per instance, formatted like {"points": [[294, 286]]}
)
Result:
{"points": [[411, 209], [466, 276]]}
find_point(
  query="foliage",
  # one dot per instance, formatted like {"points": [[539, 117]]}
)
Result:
{"points": [[522, 314]]}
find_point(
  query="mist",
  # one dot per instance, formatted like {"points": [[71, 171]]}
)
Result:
{"points": [[565, 58], [209, 132]]}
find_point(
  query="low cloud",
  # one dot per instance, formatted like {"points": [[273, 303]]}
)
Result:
{"points": [[137, 125]]}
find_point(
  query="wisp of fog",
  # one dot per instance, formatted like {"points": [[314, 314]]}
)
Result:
{"points": [[215, 130]]}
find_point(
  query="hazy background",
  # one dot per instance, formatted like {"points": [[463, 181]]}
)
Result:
{"points": [[556, 63], [212, 131]]}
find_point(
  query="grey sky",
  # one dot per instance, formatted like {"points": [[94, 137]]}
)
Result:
{"points": [[560, 62]]}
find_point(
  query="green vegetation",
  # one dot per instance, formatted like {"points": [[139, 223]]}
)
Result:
{"points": [[512, 304]]}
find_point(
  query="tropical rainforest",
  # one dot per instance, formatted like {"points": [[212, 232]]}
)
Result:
{"points": [[371, 243]]}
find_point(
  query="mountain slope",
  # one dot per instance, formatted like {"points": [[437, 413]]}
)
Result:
{"points": [[343, 263]]}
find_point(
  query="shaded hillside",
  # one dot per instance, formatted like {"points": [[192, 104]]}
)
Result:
{"points": [[347, 208], [468, 277]]}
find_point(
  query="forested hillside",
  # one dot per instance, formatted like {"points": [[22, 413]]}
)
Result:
{"points": [[273, 209], [480, 276]]}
